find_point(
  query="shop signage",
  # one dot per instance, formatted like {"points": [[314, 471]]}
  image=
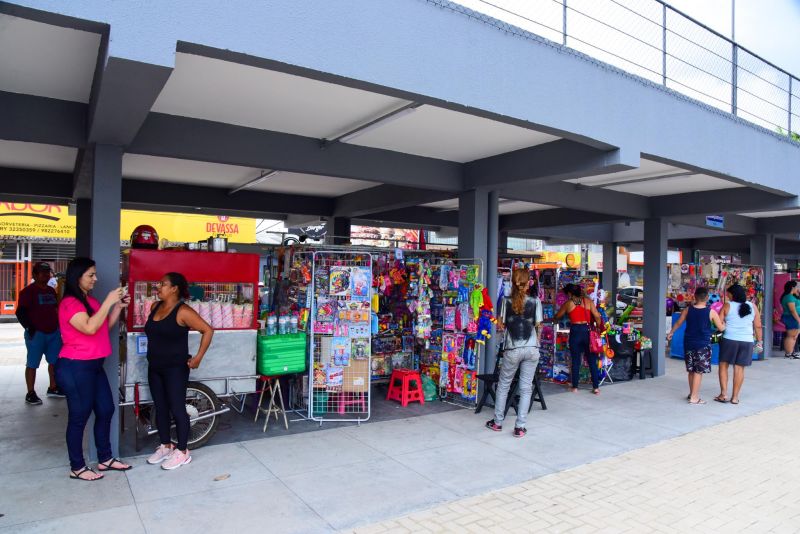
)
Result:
{"points": [[715, 221], [53, 221]]}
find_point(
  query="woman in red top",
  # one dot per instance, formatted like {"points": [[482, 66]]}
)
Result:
{"points": [[581, 311], [84, 324]]}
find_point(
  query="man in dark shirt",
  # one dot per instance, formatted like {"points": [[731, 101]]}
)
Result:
{"points": [[37, 312]]}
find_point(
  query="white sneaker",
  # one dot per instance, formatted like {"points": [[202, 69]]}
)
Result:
{"points": [[176, 459], [162, 453]]}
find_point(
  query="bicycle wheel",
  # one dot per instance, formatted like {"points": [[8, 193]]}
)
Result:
{"points": [[200, 401]]}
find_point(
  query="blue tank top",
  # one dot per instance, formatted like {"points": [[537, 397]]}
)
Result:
{"points": [[698, 328]]}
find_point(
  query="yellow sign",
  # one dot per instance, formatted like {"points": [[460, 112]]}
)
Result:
{"points": [[36, 220], [180, 228], [44, 220]]}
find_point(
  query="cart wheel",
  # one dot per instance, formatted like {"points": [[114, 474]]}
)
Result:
{"points": [[200, 400]]}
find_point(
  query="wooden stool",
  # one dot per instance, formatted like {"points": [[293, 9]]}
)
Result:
{"points": [[274, 386]]}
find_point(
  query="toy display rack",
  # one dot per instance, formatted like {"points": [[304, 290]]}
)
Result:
{"points": [[340, 336]]}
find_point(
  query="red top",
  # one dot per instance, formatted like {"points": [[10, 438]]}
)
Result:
{"points": [[41, 307], [579, 314]]}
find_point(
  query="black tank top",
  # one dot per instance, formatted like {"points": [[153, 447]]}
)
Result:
{"points": [[167, 341]]}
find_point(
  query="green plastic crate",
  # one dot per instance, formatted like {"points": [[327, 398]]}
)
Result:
{"points": [[281, 355]]}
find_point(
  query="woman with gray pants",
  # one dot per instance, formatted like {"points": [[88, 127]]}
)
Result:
{"points": [[522, 318]]}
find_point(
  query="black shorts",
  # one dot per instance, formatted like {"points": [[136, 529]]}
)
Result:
{"points": [[736, 352]]}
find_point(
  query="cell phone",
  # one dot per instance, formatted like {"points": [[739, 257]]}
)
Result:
{"points": [[124, 291]]}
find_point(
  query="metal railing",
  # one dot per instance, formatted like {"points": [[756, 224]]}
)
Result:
{"points": [[655, 41]]}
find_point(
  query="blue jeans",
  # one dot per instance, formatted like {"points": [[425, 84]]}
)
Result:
{"points": [[526, 359], [578, 346], [86, 385]]}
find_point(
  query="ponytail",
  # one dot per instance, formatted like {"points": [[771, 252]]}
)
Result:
{"points": [[739, 295]]}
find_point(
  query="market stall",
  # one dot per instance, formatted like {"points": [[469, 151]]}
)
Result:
{"points": [[222, 290]]}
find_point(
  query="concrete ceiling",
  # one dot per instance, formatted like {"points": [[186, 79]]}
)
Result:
{"points": [[445, 134], [158, 169], [653, 178], [21, 155], [46, 60], [763, 214]]}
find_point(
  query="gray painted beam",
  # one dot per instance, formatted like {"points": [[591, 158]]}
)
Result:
{"points": [[778, 225], [762, 252], [385, 198], [733, 223], [568, 195], [546, 163], [83, 173], [655, 279], [737, 200], [417, 217], [36, 119], [125, 95], [27, 185], [610, 274], [250, 203], [201, 140], [554, 217], [104, 245], [587, 233]]}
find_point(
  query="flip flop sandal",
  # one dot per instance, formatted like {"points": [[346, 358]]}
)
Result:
{"points": [[734, 402], [720, 398], [108, 465], [76, 475], [699, 402]]}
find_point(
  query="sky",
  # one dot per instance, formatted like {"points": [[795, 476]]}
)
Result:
{"points": [[769, 28]]}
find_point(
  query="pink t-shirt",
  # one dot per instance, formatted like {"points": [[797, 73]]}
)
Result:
{"points": [[79, 346]]}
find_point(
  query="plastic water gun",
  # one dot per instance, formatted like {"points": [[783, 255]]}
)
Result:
{"points": [[626, 313]]}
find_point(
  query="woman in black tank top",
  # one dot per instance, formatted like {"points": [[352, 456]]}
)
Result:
{"points": [[169, 361]]}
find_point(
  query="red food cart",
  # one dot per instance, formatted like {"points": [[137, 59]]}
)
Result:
{"points": [[223, 290]]}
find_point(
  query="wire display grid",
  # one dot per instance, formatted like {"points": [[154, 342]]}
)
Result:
{"points": [[341, 339], [459, 385]]}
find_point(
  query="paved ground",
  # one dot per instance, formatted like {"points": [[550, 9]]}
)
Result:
{"points": [[343, 478], [740, 476]]}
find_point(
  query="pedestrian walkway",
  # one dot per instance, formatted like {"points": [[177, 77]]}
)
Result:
{"points": [[345, 478], [739, 476]]}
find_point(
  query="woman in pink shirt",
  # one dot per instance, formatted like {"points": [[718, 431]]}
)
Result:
{"points": [[84, 324]]}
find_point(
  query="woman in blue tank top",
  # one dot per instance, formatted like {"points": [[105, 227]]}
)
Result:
{"points": [[697, 341]]}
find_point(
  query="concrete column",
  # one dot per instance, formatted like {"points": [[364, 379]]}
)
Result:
{"points": [[493, 229], [337, 231], [106, 205], [655, 289], [83, 227], [502, 242], [762, 252], [610, 275], [473, 226]]}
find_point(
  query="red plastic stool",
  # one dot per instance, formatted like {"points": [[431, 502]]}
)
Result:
{"points": [[400, 387]]}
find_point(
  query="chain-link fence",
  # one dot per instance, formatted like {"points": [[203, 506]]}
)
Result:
{"points": [[651, 39]]}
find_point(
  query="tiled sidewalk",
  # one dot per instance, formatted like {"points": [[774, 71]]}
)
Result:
{"points": [[740, 476]]}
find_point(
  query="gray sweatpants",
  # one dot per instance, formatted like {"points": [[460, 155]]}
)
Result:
{"points": [[526, 359]]}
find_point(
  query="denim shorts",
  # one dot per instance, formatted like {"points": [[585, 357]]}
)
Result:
{"points": [[789, 322], [41, 343]]}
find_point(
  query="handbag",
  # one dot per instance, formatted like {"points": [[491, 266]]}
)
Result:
{"points": [[595, 341]]}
